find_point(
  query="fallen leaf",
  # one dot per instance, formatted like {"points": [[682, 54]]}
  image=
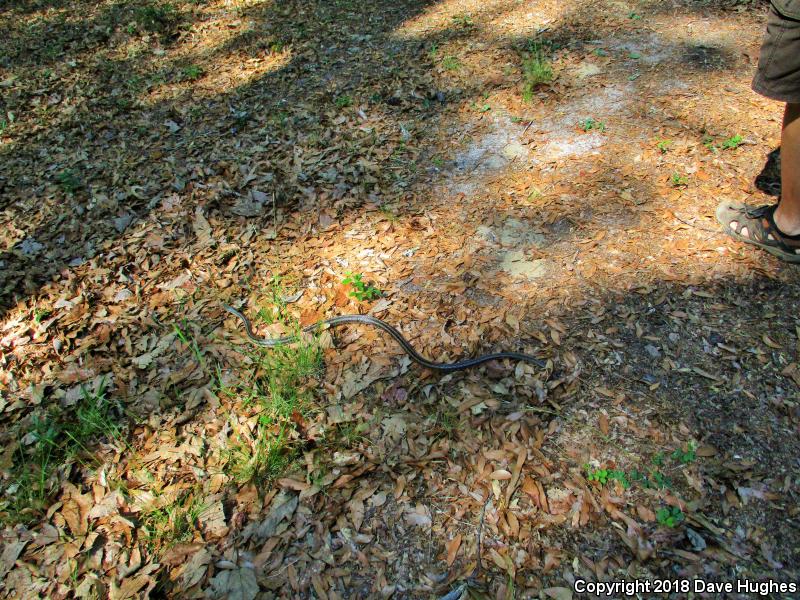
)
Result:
{"points": [[558, 593], [235, 584], [452, 549]]}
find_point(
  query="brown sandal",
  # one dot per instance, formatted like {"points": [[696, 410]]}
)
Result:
{"points": [[756, 225]]}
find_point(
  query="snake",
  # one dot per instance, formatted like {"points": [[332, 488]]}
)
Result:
{"points": [[394, 333]]}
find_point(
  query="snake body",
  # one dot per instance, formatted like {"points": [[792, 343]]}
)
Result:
{"points": [[383, 326]]}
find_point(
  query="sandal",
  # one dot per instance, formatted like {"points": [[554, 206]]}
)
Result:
{"points": [[756, 225]]}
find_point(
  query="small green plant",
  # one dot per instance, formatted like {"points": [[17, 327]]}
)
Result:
{"points": [[343, 101], [189, 340], [389, 213], [678, 180], [669, 516], [69, 181], [156, 17], [685, 456], [603, 476], [732, 142], [350, 435], [438, 162], [173, 523], [591, 124], [463, 20], [433, 51], [536, 70], [634, 16], [450, 63], [600, 52], [708, 142], [664, 146], [653, 480], [447, 420], [634, 55], [361, 290], [262, 459], [192, 73], [51, 443], [40, 314]]}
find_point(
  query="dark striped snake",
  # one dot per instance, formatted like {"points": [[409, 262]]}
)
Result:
{"points": [[394, 333]]}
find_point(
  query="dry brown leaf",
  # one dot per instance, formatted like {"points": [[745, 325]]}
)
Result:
{"points": [[602, 422], [558, 593], [706, 451], [452, 549], [645, 514]]}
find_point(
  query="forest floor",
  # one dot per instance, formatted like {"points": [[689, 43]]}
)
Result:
{"points": [[536, 176]]}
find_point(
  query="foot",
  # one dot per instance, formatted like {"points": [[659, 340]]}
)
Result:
{"points": [[756, 226], [788, 224]]}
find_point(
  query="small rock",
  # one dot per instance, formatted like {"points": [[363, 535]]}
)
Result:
{"points": [[30, 247], [698, 543], [122, 223], [652, 351], [514, 150]]}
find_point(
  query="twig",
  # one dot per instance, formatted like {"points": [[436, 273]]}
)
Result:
{"points": [[700, 227], [528, 126], [478, 567]]}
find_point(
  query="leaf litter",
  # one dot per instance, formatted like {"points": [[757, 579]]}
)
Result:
{"points": [[164, 158]]}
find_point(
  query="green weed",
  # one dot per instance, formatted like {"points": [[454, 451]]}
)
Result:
{"points": [[361, 290], [654, 480], [451, 63], [536, 70], [463, 20], [40, 314], [262, 459], [685, 456], [280, 384], [732, 142], [708, 142], [343, 101], [591, 124], [52, 442], [350, 435], [192, 73], [447, 421], [388, 213], [189, 340], [678, 180], [156, 17], [669, 516], [173, 523], [664, 146], [603, 476], [69, 181]]}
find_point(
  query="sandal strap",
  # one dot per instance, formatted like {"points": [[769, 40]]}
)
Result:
{"points": [[761, 225]]}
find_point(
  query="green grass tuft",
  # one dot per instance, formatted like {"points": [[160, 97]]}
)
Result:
{"points": [[536, 70]]}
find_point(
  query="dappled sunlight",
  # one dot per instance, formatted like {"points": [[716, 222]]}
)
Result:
{"points": [[536, 177]]}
